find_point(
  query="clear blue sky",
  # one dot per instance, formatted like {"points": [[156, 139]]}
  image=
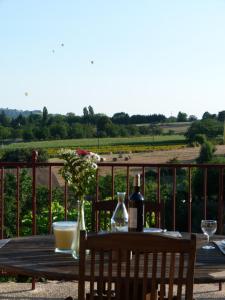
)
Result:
{"points": [[160, 56]]}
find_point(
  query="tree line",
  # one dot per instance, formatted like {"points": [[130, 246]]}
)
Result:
{"points": [[45, 126]]}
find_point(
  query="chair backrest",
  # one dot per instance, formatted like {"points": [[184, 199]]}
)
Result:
{"points": [[102, 212], [132, 265]]}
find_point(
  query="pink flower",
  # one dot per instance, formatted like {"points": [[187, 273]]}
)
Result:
{"points": [[82, 152]]}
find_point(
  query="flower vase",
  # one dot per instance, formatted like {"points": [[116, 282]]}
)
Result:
{"points": [[80, 226]]}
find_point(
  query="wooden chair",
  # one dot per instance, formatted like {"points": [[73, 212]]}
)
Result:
{"points": [[102, 212], [136, 266]]}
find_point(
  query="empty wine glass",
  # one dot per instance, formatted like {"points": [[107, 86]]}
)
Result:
{"points": [[209, 228]]}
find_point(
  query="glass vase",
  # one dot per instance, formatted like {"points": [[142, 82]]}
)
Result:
{"points": [[80, 226], [119, 220]]}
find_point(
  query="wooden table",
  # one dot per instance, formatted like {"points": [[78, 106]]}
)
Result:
{"points": [[35, 256]]}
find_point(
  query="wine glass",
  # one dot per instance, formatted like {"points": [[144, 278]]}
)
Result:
{"points": [[209, 228]]}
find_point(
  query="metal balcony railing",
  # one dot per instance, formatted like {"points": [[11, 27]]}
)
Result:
{"points": [[208, 203]]}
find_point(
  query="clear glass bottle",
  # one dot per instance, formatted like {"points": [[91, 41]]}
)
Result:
{"points": [[119, 220]]}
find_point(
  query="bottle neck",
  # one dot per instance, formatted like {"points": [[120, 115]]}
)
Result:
{"points": [[136, 189]]}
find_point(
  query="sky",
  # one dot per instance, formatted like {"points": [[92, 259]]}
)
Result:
{"points": [[133, 56]]}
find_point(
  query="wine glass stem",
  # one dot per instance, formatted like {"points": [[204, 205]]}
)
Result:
{"points": [[207, 239]]}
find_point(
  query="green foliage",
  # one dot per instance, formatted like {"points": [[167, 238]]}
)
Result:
{"points": [[181, 117], [23, 155], [206, 152], [211, 128], [5, 132], [200, 139]]}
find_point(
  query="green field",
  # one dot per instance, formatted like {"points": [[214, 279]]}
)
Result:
{"points": [[104, 145]]}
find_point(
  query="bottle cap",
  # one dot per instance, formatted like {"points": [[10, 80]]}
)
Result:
{"points": [[137, 180]]}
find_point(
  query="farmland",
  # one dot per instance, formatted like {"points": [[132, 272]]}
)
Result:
{"points": [[175, 127], [107, 145]]}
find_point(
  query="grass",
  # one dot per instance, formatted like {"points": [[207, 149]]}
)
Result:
{"points": [[106, 145], [145, 140]]}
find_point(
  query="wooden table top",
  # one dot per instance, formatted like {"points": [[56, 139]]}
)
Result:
{"points": [[35, 256]]}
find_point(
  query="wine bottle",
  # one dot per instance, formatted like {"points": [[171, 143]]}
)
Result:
{"points": [[136, 207]]}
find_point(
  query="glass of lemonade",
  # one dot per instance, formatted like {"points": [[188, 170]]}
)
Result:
{"points": [[209, 228], [64, 233]]}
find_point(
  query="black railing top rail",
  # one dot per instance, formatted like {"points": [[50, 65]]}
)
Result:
{"points": [[116, 164], [30, 164], [161, 165]]}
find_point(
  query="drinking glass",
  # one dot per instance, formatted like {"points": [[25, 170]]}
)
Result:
{"points": [[64, 233], [209, 228]]}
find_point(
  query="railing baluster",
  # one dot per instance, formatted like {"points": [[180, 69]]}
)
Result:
{"points": [[127, 185], [222, 194], [158, 194], [189, 200], [143, 181], [50, 199], [2, 204], [205, 192], [17, 202], [113, 182], [94, 212], [34, 208], [174, 197], [65, 200], [220, 202]]}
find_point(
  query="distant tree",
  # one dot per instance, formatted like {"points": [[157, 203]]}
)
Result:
{"points": [[102, 122], [120, 118], [112, 130], [19, 121], [76, 131], [16, 133], [34, 119], [28, 135], [71, 118], [4, 120], [192, 118], [171, 119], [207, 115], [209, 127], [44, 115], [181, 117], [200, 139], [123, 131], [91, 110], [85, 112], [89, 130], [41, 133], [206, 152], [221, 116], [58, 131], [5, 132], [156, 118]]}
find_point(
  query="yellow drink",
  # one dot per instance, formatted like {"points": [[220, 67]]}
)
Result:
{"points": [[64, 233]]}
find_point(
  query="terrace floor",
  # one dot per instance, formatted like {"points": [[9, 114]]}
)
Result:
{"points": [[60, 290]]}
